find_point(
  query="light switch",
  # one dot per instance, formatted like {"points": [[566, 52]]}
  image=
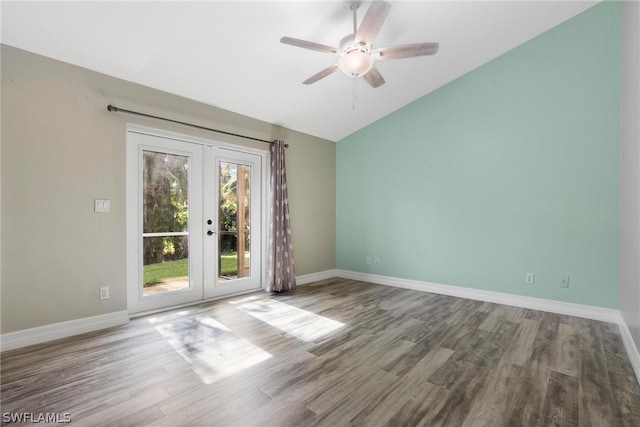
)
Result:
{"points": [[102, 205]]}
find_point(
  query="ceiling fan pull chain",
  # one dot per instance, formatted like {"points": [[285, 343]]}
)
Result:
{"points": [[355, 93]]}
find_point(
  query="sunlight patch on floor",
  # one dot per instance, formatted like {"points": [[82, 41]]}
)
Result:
{"points": [[212, 349], [301, 323]]}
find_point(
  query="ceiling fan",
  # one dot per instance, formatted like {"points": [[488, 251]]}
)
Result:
{"points": [[355, 50]]}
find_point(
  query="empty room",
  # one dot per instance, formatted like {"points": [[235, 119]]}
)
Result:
{"points": [[331, 213]]}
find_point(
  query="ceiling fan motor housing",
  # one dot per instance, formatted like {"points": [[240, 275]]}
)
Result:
{"points": [[355, 58]]}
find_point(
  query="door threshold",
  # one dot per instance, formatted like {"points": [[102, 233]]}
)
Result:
{"points": [[190, 304]]}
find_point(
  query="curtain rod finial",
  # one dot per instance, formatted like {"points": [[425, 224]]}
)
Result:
{"points": [[274, 141]]}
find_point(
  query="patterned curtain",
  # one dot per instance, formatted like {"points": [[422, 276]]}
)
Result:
{"points": [[281, 275]]}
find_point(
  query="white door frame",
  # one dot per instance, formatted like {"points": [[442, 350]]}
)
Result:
{"points": [[207, 290]]}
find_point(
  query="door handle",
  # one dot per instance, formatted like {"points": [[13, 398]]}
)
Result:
{"points": [[210, 233]]}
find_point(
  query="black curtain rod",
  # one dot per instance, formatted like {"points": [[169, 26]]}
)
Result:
{"points": [[122, 110]]}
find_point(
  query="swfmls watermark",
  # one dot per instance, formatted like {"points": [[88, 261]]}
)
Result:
{"points": [[36, 417]]}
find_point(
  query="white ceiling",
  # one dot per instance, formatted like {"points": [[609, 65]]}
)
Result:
{"points": [[227, 53]]}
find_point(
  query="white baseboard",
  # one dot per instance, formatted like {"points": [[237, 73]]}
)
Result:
{"points": [[559, 307], [630, 346], [54, 331], [305, 279]]}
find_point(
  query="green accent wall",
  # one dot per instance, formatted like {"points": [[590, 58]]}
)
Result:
{"points": [[510, 169]]}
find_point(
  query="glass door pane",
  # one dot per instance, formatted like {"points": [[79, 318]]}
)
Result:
{"points": [[234, 225], [165, 225], [165, 234], [234, 240]]}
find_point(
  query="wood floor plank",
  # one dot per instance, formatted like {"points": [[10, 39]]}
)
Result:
{"points": [[589, 335], [379, 411], [625, 388], [346, 409], [528, 398], [291, 416], [236, 386], [141, 418], [566, 357], [408, 360], [340, 358], [501, 313], [494, 398], [287, 407], [521, 347], [455, 407], [486, 348], [454, 335], [391, 357], [561, 403], [352, 381], [224, 412], [596, 396], [415, 410], [124, 409], [544, 346]]}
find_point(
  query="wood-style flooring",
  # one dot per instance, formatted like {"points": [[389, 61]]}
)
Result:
{"points": [[333, 353]]}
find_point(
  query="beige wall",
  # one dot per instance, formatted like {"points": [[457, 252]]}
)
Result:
{"points": [[630, 170], [61, 149]]}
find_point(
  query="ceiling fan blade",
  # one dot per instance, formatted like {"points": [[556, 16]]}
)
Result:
{"points": [[373, 77], [406, 51], [308, 45], [372, 22], [321, 75]]}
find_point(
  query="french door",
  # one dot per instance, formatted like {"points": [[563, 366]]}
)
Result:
{"points": [[194, 220]]}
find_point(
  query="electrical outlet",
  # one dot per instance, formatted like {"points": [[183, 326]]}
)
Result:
{"points": [[529, 278], [102, 205], [564, 281], [368, 260], [376, 261], [104, 292]]}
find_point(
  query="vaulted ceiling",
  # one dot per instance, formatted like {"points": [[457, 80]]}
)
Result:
{"points": [[227, 53]]}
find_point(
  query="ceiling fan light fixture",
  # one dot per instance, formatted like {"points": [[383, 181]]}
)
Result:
{"points": [[355, 63]]}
